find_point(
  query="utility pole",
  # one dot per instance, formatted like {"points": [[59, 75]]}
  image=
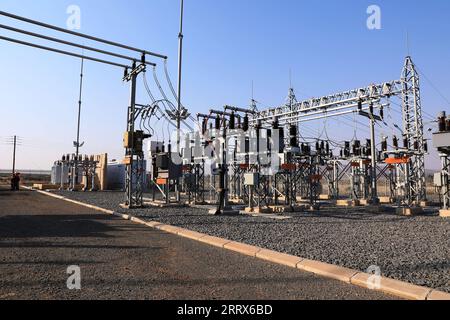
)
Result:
{"points": [[77, 143], [14, 156], [132, 181], [180, 60], [134, 155]]}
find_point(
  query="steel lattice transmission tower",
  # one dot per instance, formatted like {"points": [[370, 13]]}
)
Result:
{"points": [[415, 180]]}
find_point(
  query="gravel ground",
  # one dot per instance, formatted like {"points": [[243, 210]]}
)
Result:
{"points": [[412, 249]]}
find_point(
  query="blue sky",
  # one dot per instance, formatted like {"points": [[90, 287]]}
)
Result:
{"points": [[228, 44]]}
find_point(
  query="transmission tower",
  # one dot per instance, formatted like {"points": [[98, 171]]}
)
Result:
{"points": [[415, 180]]}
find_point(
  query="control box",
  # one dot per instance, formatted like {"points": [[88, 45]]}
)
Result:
{"points": [[437, 180], [134, 140], [251, 179]]}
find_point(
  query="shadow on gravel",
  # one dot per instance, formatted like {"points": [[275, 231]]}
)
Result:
{"points": [[70, 246], [45, 226], [175, 282], [8, 193], [337, 217], [58, 263]]}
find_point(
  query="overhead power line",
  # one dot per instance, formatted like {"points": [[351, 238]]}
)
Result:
{"points": [[82, 35], [434, 86], [63, 52], [72, 44]]}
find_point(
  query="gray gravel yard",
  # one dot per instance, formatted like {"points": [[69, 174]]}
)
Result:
{"points": [[412, 249]]}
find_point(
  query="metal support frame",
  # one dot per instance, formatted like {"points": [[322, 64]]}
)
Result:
{"points": [[414, 175], [387, 171], [134, 167], [361, 177], [199, 173], [445, 181], [331, 173], [411, 177], [77, 143]]}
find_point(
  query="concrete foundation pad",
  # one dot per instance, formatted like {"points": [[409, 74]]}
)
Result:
{"points": [[343, 203], [258, 210], [386, 200], [444, 213], [281, 209], [369, 202], [236, 202], [226, 212], [165, 205], [287, 209], [262, 210], [43, 187], [425, 204], [413, 211], [348, 203]]}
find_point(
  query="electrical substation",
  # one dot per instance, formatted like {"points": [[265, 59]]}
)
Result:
{"points": [[217, 200], [258, 158], [242, 159]]}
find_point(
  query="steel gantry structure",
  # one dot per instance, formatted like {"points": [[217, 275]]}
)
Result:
{"points": [[244, 177], [410, 176]]}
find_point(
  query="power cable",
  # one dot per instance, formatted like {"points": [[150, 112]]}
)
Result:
{"points": [[433, 86]]}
